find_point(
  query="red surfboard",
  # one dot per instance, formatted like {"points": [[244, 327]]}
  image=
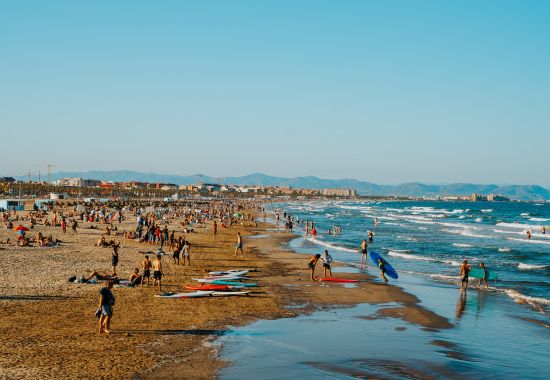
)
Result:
{"points": [[207, 287]]}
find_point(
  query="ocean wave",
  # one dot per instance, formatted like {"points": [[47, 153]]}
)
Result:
{"points": [[519, 225], [331, 246], [531, 241], [505, 249], [438, 276], [471, 234], [462, 245], [539, 220], [409, 256], [487, 210], [524, 266], [422, 258], [519, 297]]}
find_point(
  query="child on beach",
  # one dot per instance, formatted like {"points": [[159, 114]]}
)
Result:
{"points": [[311, 265], [326, 259], [484, 279]]}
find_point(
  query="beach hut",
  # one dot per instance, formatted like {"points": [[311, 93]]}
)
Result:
{"points": [[12, 204]]}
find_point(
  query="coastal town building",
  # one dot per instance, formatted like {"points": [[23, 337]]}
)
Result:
{"points": [[339, 192], [497, 198], [76, 182]]}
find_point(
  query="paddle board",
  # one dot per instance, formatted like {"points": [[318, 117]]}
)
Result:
{"points": [[335, 279], [477, 272], [389, 269]]}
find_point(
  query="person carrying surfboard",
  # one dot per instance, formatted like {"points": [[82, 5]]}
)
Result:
{"points": [[382, 268], [484, 279], [326, 259], [464, 274], [312, 263]]}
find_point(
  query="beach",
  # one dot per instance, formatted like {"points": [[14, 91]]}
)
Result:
{"points": [[50, 329]]}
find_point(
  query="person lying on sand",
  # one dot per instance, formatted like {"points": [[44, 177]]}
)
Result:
{"points": [[103, 277], [102, 242]]}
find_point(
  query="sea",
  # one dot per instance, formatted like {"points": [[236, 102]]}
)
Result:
{"points": [[500, 332]]}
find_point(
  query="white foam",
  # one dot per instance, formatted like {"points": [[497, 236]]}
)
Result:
{"points": [[539, 220], [409, 256], [462, 245], [518, 297], [331, 246], [487, 210], [525, 214], [519, 225], [530, 266], [471, 234], [505, 249]]}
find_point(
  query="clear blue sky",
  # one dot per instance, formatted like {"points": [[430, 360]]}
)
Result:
{"points": [[387, 91]]}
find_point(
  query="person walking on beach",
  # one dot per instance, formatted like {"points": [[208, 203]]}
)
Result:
{"points": [[484, 279], [326, 259], [215, 228], [464, 274], [382, 268], [106, 303], [239, 246], [176, 254], [364, 252], [157, 273], [146, 267], [74, 226], [311, 265], [64, 225]]}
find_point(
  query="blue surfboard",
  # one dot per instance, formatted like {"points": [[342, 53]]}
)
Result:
{"points": [[389, 269]]}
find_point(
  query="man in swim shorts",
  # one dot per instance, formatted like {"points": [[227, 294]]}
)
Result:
{"points": [[157, 273], [326, 259], [312, 263], [364, 252], [239, 246], [464, 274], [146, 267], [382, 268]]}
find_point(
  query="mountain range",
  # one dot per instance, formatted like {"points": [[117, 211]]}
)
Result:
{"points": [[517, 192]]}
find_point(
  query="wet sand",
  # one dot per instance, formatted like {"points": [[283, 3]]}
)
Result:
{"points": [[50, 331]]}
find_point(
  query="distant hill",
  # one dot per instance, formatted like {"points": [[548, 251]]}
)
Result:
{"points": [[518, 192]]}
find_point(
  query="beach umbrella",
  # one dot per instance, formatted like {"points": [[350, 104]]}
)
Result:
{"points": [[21, 228]]}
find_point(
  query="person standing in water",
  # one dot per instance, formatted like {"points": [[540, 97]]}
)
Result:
{"points": [[382, 268], [364, 252], [371, 236], [484, 279], [464, 275], [529, 234]]}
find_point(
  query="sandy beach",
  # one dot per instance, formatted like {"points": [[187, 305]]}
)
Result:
{"points": [[50, 329]]}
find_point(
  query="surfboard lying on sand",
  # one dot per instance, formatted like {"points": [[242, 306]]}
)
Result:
{"points": [[336, 279], [212, 279], [478, 273], [230, 294], [235, 272], [208, 287], [232, 283], [185, 295], [389, 269]]}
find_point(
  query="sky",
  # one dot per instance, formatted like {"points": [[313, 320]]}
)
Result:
{"points": [[386, 91]]}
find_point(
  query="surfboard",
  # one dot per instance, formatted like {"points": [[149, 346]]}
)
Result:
{"points": [[232, 283], [229, 294], [389, 269], [212, 279], [208, 287], [477, 272], [235, 272], [336, 279], [185, 295]]}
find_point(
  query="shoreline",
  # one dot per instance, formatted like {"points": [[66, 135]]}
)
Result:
{"points": [[42, 313]]}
